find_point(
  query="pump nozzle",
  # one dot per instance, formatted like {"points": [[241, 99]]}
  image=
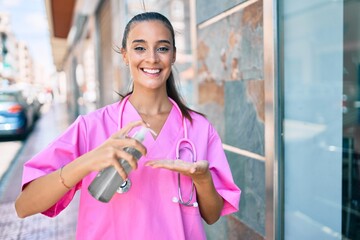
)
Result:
{"points": [[140, 135]]}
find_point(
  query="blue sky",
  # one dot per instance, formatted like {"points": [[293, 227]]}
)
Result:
{"points": [[29, 24]]}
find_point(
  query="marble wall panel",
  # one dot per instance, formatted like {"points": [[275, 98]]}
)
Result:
{"points": [[249, 175], [206, 9], [240, 231], [231, 50], [244, 126], [249, 222], [230, 228]]}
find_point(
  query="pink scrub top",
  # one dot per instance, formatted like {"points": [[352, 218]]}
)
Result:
{"points": [[146, 211]]}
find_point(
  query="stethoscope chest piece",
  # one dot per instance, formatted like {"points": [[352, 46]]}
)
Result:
{"points": [[125, 187]]}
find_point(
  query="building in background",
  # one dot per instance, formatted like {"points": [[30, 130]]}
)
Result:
{"points": [[25, 64], [278, 79], [8, 51], [16, 63]]}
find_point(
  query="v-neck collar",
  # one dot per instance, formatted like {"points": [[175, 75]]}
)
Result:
{"points": [[166, 138]]}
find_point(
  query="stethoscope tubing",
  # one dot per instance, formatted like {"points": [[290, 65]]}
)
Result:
{"points": [[185, 139]]}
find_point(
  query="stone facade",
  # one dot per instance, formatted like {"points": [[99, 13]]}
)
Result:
{"points": [[231, 94]]}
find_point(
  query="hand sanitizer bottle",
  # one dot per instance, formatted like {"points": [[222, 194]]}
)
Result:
{"points": [[108, 180]]}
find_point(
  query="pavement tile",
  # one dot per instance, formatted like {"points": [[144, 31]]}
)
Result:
{"points": [[37, 226]]}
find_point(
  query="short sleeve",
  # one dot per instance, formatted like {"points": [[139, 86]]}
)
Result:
{"points": [[221, 174], [66, 148]]}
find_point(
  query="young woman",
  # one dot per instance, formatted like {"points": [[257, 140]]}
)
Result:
{"points": [[161, 202]]}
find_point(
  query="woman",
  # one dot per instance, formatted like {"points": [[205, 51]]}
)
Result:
{"points": [[153, 207]]}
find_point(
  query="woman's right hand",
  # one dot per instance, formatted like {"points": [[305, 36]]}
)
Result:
{"points": [[43, 192], [109, 152]]}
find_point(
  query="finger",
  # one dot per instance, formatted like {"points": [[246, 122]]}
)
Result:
{"points": [[120, 170], [118, 135], [127, 128], [133, 143], [199, 167], [127, 142], [127, 160], [174, 165], [193, 169], [160, 163], [203, 164]]}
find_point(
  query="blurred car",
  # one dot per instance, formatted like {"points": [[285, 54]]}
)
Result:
{"points": [[16, 114], [32, 94], [33, 101]]}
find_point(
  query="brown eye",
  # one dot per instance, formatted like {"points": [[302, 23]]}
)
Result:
{"points": [[139, 49], [163, 49]]}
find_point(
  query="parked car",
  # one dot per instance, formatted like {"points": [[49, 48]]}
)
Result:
{"points": [[32, 94], [16, 114]]}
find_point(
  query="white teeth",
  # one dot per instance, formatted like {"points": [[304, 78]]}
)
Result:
{"points": [[152, 71]]}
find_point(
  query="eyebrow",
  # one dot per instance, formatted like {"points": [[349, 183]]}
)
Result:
{"points": [[143, 41]]}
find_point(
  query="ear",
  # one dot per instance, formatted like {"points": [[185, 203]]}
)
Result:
{"points": [[124, 55]]}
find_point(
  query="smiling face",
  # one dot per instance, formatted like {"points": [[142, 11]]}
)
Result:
{"points": [[149, 54]]}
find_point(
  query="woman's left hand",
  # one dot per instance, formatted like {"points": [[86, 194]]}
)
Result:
{"points": [[193, 170], [210, 202]]}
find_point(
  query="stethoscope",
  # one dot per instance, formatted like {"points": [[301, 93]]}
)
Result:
{"points": [[190, 149]]}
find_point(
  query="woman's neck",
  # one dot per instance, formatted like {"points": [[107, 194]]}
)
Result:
{"points": [[150, 103]]}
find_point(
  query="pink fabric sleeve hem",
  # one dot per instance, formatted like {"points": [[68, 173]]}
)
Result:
{"points": [[31, 176], [231, 201], [61, 204]]}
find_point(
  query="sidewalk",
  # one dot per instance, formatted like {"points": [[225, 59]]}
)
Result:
{"points": [[8, 150], [63, 227]]}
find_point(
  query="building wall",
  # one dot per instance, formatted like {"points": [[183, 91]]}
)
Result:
{"points": [[107, 81], [25, 63], [231, 94]]}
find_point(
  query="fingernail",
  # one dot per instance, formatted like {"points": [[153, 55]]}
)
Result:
{"points": [[148, 163]]}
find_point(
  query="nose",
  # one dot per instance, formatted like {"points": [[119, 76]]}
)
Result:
{"points": [[153, 56]]}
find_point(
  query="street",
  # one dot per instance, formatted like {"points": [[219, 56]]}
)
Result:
{"points": [[8, 150], [14, 154]]}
